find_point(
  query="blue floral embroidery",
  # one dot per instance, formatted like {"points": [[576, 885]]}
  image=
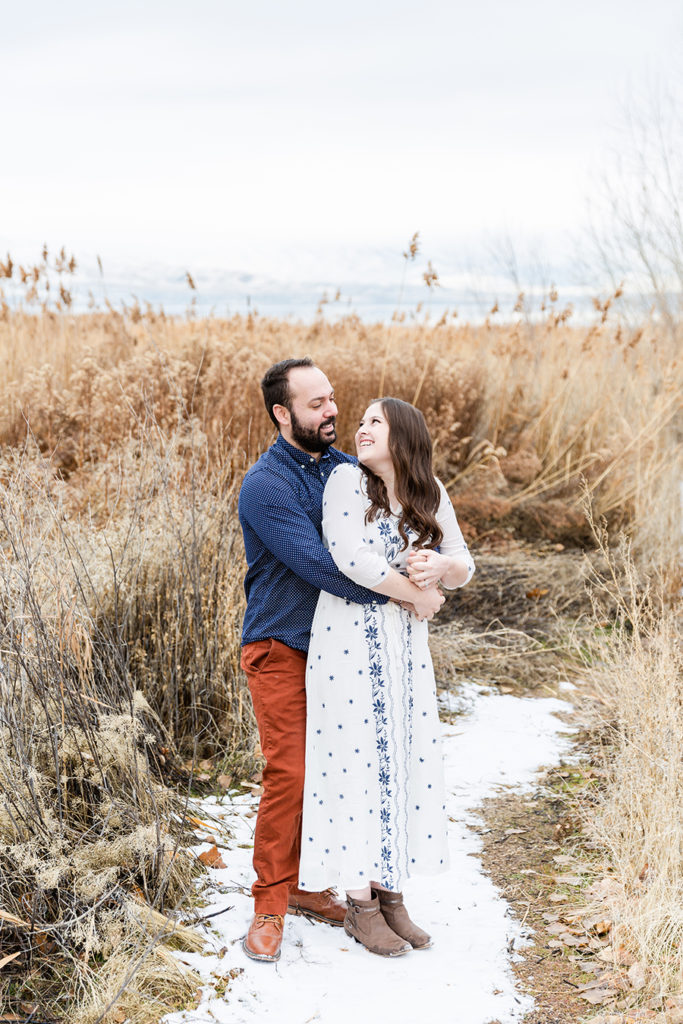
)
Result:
{"points": [[381, 740], [394, 548], [392, 541]]}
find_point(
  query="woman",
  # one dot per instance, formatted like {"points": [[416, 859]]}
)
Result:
{"points": [[373, 797]]}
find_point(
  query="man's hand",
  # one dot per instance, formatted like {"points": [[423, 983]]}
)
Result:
{"points": [[427, 602]]}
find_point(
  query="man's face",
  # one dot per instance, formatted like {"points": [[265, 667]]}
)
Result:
{"points": [[313, 411]]}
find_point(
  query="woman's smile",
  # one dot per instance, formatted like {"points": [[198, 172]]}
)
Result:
{"points": [[372, 437]]}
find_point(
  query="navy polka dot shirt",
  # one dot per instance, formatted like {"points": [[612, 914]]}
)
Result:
{"points": [[280, 510]]}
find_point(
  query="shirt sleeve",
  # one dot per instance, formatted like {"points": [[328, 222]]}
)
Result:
{"points": [[272, 510], [344, 509], [453, 543]]}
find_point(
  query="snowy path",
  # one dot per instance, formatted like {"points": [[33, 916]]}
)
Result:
{"points": [[323, 976]]}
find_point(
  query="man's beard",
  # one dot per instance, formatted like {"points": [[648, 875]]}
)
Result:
{"points": [[312, 440]]}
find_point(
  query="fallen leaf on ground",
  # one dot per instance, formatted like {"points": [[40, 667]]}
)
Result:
{"points": [[562, 829], [595, 983], [197, 822], [598, 925], [572, 917], [607, 887], [572, 940], [569, 879], [224, 781], [11, 919], [44, 943], [596, 996], [8, 959], [212, 858], [618, 955], [637, 975]]}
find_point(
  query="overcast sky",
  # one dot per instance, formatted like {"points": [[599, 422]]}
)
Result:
{"points": [[213, 132]]}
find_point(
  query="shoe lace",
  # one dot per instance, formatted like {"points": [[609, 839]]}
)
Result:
{"points": [[272, 917]]}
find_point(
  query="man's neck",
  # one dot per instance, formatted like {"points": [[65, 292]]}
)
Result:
{"points": [[311, 455]]}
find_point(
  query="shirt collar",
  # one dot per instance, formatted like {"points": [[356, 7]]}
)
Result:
{"points": [[302, 458]]}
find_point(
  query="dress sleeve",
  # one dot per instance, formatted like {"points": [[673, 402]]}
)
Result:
{"points": [[453, 543], [344, 508]]}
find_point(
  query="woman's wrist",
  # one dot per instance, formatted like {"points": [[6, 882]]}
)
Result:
{"points": [[455, 575]]}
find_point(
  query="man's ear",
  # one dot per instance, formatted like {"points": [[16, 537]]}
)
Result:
{"points": [[281, 414]]}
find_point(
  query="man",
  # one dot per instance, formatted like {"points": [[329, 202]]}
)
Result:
{"points": [[280, 510]]}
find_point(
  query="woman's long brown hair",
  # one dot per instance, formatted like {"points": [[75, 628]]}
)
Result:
{"points": [[410, 447]]}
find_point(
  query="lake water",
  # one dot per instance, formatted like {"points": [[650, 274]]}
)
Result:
{"points": [[375, 286]]}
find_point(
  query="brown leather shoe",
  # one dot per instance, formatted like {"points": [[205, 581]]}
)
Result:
{"points": [[365, 924], [396, 916], [321, 906], [264, 938]]}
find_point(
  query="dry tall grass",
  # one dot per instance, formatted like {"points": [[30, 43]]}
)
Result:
{"points": [[518, 412], [119, 649], [637, 670]]}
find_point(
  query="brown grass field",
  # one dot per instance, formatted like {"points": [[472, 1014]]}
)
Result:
{"points": [[123, 439]]}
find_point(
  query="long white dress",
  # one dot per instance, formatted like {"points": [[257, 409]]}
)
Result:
{"points": [[373, 794]]}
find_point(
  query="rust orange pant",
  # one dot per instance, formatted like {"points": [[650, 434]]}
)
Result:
{"points": [[277, 682]]}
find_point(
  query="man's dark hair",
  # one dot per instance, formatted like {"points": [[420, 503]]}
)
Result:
{"points": [[275, 384]]}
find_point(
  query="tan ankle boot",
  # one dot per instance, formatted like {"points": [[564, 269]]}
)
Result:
{"points": [[365, 924], [396, 916]]}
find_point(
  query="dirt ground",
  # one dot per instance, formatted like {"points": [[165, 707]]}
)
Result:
{"points": [[520, 836]]}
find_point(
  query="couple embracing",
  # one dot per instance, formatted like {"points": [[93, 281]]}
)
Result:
{"points": [[345, 557]]}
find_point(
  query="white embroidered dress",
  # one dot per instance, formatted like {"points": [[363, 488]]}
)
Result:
{"points": [[373, 794]]}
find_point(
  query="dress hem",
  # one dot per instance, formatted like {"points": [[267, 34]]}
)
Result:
{"points": [[330, 882]]}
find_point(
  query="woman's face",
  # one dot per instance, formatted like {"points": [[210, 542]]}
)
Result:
{"points": [[372, 439]]}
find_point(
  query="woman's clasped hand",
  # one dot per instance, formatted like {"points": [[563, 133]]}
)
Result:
{"points": [[427, 568]]}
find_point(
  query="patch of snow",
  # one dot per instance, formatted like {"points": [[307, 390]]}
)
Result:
{"points": [[323, 976]]}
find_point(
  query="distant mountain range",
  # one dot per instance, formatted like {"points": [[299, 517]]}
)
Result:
{"points": [[300, 284]]}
